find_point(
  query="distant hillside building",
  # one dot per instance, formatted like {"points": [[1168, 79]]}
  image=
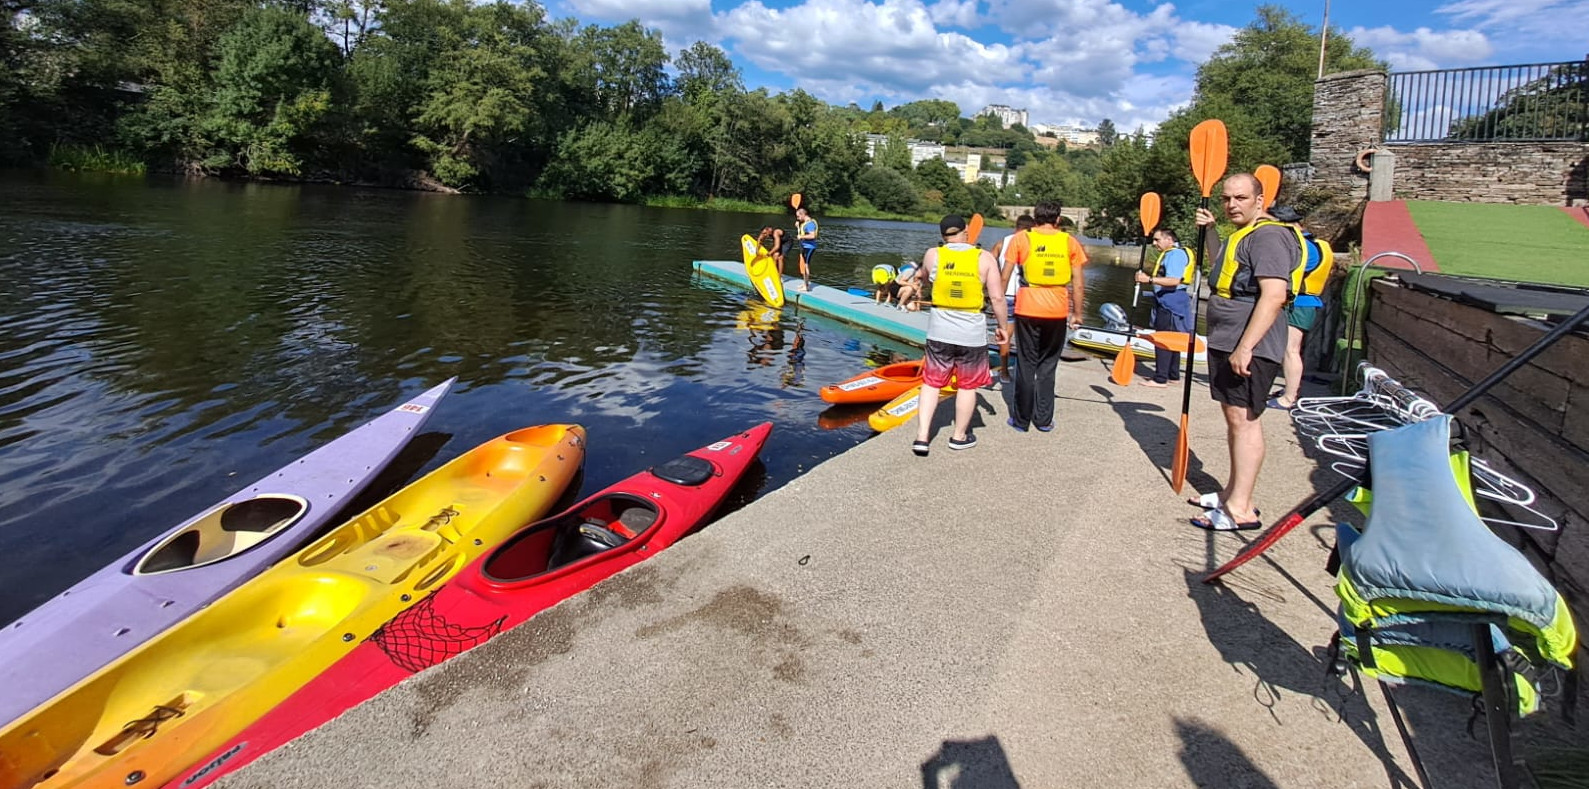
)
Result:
{"points": [[1009, 116], [1076, 135], [922, 151], [970, 169]]}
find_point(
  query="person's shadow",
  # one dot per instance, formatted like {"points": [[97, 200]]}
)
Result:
{"points": [[1156, 436], [1211, 759], [969, 764], [1252, 644]]}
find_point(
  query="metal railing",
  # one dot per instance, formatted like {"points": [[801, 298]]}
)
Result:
{"points": [[1537, 102]]}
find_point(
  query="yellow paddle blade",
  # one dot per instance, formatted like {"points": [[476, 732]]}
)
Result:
{"points": [[1210, 147], [1269, 177], [1148, 209]]}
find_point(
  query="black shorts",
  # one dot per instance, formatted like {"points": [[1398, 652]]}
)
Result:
{"points": [[1225, 386], [891, 288]]}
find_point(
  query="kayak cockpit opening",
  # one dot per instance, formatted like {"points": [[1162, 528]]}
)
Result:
{"points": [[593, 528], [223, 532]]}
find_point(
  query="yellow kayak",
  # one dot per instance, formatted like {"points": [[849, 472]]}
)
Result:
{"points": [[901, 409], [167, 704], [762, 270]]}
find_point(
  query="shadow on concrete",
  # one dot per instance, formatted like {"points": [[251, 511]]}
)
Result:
{"points": [[1156, 436], [1253, 645], [1211, 759], [969, 764], [943, 417]]}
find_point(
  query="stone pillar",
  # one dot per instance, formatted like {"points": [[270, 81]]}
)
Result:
{"points": [[1382, 180], [1348, 116]]}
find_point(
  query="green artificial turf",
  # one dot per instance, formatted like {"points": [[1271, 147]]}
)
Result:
{"points": [[1527, 243]]}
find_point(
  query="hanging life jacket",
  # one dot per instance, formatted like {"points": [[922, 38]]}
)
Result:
{"points": [[957, 283], [1236, 281], [1191, 264], [1047, 260], [1316, 271]]}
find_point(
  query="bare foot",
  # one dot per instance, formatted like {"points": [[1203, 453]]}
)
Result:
{"points": [[1152, 384]]}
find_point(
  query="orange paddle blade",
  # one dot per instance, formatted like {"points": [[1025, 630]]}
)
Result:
{"points": [[1182, 458], [974, 228], [1269, 177], [1210, 147], [794, 200], [1125, 366], [1149, 209]]}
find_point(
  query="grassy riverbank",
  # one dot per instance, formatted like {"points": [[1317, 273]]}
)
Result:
{"points": [[94, 159]]}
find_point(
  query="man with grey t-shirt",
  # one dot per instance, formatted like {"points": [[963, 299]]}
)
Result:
{"points": [[1250, 276]]}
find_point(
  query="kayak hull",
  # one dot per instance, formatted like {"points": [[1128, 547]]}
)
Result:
{"points": [[494, 594], [763, 271], [165, 580], [166, 705], [875, 386], [1109, 342], [901, 409]]}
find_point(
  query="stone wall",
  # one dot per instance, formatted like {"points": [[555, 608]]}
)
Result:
{"points": [[1533, 426], [1348, 111], [1549, 173]]}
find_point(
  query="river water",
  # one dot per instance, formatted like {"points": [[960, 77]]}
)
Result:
{"points": [[165, 342]]}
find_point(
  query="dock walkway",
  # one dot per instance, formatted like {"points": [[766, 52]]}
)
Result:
{"points": [[1026, 613]]}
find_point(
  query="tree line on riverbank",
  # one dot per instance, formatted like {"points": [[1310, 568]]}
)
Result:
{"points": [[499, 97]]}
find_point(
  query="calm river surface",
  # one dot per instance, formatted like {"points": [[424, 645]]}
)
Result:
{"points": [[165, 342]]}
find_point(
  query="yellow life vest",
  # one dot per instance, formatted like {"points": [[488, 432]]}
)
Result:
{"points": [[1047, 260], [957, 282], [1235, 281], [816, 231], [1191, 265], [1313, 282]]}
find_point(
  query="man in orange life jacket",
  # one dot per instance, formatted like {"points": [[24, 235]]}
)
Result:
{"points": [[1048, 263], [957, 331], [1251, 277]]}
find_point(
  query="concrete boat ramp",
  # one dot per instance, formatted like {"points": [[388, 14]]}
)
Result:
{"points": [[1026, 613]]}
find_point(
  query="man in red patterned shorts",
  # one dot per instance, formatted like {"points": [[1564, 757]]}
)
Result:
{"points": [[957, 331]]}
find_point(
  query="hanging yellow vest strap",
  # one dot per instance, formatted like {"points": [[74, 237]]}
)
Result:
{"points": [[957, 284], [1048, 259], [1235, 281]]}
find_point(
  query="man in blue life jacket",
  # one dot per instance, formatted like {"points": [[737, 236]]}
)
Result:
{"points": [[1172, 303], [806, 235], [1303, 311], [1252, 276]]}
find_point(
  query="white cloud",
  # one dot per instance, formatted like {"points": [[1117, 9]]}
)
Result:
{"points": [[1195, 42], [1423, 48], [955, 13], [1532, 29], [680, 21]]}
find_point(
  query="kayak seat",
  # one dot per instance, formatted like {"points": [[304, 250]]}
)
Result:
{"points": [[687, 470], [183, 551], [575, 542], [637, 519]]}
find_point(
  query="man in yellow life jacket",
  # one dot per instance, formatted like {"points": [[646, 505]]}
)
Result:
{"points": [[957, 332], [1048, 263], [1254, 273], [1172, 303], [1303, 310]]}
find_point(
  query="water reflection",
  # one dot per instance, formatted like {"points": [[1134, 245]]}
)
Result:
{"points": [[164, 342]]}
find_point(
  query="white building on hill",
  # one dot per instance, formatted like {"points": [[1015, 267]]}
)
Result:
{"points": [[1009, 116]]}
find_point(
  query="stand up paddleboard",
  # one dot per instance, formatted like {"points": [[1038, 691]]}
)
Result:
{"points": [[762, 270]]}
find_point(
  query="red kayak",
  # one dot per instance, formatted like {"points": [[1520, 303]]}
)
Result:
{"points": [[542, 564], [875, 386]]}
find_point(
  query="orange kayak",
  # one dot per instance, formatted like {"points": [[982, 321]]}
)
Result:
{"points": [[876, 386]]}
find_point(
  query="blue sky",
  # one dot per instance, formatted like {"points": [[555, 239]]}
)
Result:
{"points": [[1067, 61]]}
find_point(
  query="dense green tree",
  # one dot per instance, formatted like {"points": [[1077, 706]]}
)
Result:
{"points": [[888, 190], [705, 73], [272, 89], [942, 188], [1106, 133], [931, 112]]}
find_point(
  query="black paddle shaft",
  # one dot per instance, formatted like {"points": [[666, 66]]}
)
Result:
{"points": [[1191, 345]]}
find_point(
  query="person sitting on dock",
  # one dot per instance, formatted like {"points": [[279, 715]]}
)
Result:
{"points": [[1172, 304], [957, 333]]}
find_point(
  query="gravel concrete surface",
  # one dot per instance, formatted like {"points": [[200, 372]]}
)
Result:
{"points": [[1024, 613]]}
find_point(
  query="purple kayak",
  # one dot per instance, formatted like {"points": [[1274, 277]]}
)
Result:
{"points": [[162, 582]]}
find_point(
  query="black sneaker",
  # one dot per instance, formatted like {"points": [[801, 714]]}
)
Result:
{"points": [[966, 443]]}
